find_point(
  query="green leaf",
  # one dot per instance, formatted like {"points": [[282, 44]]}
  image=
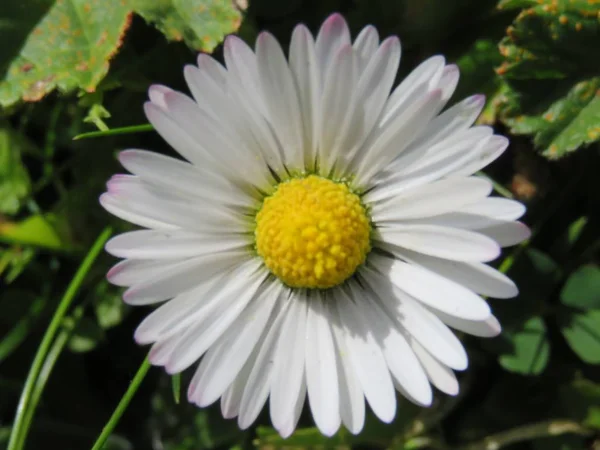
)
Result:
{"points": [[569, 123], [15, 185], [582, 332], [552, 39], [581, 400], [582, 289], [13, 261], [551, 62], [86, 336], [575, 230], [201, 24], [108, 306], [68, 49], [531, 348], [96, 115], [35, 230]]}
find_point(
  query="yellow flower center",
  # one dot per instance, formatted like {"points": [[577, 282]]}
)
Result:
{"points": [[312, 232]]}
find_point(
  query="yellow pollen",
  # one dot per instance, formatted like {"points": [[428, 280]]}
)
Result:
{"points": [[312, 232]]}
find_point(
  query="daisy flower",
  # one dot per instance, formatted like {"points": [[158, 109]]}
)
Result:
{"points": [[321, 236]]}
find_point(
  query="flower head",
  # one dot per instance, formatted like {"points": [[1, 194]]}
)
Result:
{"points": [[323, 233]]}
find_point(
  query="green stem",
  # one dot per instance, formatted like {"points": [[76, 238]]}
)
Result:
{"points": [[24, 415], [115, 131], [57, 346], [528, 433], [122, 406]]}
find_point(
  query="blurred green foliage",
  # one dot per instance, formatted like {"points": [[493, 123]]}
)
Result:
{"points": [[76, 68]]}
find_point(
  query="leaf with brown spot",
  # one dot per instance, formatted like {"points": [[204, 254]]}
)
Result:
{"points": [[64, 45], [201, 24]]}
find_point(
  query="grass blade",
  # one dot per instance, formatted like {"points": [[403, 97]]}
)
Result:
{"points": [[115, 131], [23, 416], [122, 406]]}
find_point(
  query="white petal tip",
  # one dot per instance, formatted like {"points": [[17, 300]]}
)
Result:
{"points": [[391, 43], [493, 252], [461, 365], [334, 21], [103, 200], [424, 398], [452, 390], [355, 430], [329, 429], [157, 93], [230, 415], [477, 100], [285, 431], [142, 338]]}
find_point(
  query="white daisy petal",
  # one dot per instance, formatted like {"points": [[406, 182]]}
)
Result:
{"points": [[497, 208], [401, 361], [443, 242], [156, 94], [421, 324], [211, 326], [217, 142], [242, 65], [398, 134], [161, 351], [288, 365], [489, 327], [179, 176], [321, 371], [281, 99], [479, 160], [417, 83], [207, 93], [508, 233], [441, 376], [366, 44], [352, 401], [304, 67], [258, 383], [133, 200], [419, 166], [477, 277], [431, 200], [156, 244], [119, 208], [455, 119], [177, 136], [183, 276], [130, 272], [213, 69], [232, 397], [366, 358], [333, 35], [187, 309], [338, 106], [225, 359], [372, 91], [433, 290], [448, 81]]}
